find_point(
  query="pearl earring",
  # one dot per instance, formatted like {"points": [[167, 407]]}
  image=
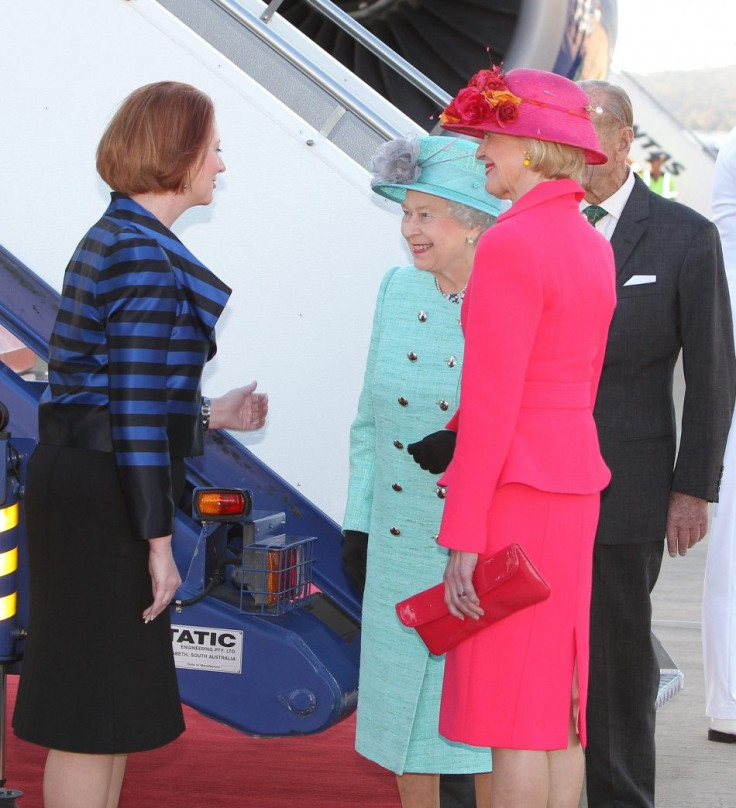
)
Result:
{"points": [[470, 240], [527, 158]]}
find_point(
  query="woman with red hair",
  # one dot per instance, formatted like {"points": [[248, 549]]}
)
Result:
{"points": [[124, 408]]}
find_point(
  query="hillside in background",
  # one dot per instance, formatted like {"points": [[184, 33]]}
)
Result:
{"points": [[703, 100]]}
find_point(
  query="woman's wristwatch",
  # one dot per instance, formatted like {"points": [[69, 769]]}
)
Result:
{"points": [[206, 412]]}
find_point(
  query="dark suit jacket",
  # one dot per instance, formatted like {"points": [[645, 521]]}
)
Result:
{"points": [[687, 308]]}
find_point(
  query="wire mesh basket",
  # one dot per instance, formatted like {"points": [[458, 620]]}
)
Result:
{"points": [[276, 574]]}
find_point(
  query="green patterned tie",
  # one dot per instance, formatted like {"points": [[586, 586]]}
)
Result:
{"points": [[594, 213]]}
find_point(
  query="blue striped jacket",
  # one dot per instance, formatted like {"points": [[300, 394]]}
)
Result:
{"points": [[133, 332]]}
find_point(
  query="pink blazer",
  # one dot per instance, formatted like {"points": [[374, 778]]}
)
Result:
{"points": [[535, 318]]}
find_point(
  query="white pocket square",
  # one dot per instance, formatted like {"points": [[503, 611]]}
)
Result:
{"points": [[637, 280]]}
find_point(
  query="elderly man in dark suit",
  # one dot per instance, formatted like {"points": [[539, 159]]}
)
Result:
{"points": [[672, 296]]}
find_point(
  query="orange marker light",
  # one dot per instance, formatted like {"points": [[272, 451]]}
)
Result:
{"points": [[221, 504]]}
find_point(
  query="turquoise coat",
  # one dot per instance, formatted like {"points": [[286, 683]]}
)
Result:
{"points": [[411, 388]]}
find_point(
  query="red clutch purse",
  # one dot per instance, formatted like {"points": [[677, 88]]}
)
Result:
{"points": [[505, 582]]}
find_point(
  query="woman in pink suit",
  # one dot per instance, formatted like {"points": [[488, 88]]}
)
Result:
{"points": [[527, 466]]}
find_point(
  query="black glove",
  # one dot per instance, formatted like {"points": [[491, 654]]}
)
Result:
{"points": [[354, 557], [434, 452]]}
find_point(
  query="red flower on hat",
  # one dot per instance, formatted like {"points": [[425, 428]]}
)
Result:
{"points": [[472, 106], [507, 110], [486, 99], [450, 114], [488, 80]]}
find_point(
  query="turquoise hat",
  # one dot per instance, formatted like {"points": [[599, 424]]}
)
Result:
{"points": [[433, 164]]}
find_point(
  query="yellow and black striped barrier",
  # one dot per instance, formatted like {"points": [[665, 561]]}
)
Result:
{"points": [[9, 518]]}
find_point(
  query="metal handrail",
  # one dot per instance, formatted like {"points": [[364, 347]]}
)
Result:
{"points": [[378, 48], [387, 55], [306, 66], [370, 8]]}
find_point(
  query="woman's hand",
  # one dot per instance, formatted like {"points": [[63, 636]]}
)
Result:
{"points": [[165, 578], [460, 595], [241, 409]]}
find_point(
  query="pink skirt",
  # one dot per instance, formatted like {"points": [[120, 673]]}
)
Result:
{"points": [[515, 684]]}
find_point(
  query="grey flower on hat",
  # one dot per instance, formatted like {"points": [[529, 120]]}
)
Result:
{"points": [[396, 162]]}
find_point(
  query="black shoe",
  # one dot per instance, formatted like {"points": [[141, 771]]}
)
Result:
{"points": [[721, 737]]}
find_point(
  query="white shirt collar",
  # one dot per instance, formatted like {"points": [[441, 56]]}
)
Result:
{"points": [[614, 205]]}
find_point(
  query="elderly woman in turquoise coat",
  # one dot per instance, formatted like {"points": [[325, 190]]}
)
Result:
{"points": [[411, 388]]}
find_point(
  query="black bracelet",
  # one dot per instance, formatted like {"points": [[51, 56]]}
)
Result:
{"points": [[206, 413]]}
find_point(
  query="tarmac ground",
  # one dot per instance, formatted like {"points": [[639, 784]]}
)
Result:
{"points": [[691, 770]]}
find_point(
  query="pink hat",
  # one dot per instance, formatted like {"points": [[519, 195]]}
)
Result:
{"points": [[525, 103]]}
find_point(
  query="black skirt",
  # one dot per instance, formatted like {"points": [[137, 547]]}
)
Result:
{"points": [[95, 678]]}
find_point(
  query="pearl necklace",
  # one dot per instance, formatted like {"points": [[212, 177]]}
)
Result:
{"points": [[453, 297]]}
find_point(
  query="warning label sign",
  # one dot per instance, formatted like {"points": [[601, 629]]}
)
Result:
{"points": [[207, 649]]}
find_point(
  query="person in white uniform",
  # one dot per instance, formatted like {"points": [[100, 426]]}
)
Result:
{"points": [[719, 594]]}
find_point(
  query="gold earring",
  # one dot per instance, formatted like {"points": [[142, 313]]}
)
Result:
{"points": [[527, 158]]}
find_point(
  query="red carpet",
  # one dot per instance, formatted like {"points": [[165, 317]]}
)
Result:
{"points": [[213, 766]]}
